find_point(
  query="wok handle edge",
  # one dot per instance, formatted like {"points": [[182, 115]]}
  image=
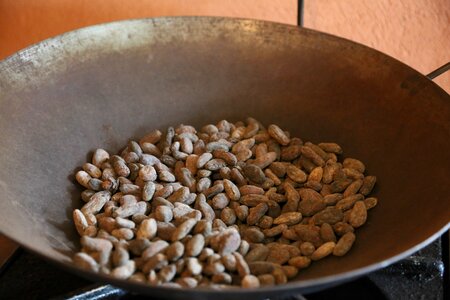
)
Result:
{"points": [[439, 71]]}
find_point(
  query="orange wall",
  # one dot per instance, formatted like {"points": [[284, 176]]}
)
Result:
{"points": [[24, 22], [417, 32]]}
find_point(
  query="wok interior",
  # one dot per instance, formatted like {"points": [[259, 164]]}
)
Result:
{"points": [[110, 83]]}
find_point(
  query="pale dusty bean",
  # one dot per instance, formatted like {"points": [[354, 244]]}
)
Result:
{"points": [[229, 262], [324, 250], [215, 164], [220, 201], [123, 233], [213, 268], [147, 229], [137, 246], [193, 266], [204, 207], [218, 225], [92, 170], [155, 262], [241, 265], [203, 184], [166, 176], [120, 256], [152, 278], [96, 244], [250, 281], [99, 157], [182, 230], [130, 188], [167, 273], [205, 254], [187, 282], [96, 203], [243, 145], [85, 261], [152, 137], [244, 247], [174, 251], [164, 192], [150, 148], [125, 223], [181, 210], [241, 212], [148, 159], [107, 223], [179, 195], [195, 245], [148, 173], [163, 213], [214, 190], [228, 216], [229, 242], [80, 221]]}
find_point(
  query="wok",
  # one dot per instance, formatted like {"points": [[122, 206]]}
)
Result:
{"points": [[99, 86]]}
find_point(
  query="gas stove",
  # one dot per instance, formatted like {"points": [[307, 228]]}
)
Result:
{"points": [[423, 275]]}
